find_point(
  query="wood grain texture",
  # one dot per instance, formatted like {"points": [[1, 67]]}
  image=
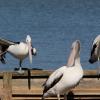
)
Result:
{"points": [[88, 88]]}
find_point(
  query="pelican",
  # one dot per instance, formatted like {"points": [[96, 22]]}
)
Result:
{"points": [[66, 77], [95, 52], [19, 50]]}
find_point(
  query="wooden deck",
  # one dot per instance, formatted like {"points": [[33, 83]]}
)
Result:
{"points": [[28, 86]]}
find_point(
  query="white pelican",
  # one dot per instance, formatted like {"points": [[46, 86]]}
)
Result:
{"points": [[95, 53], [66, 77], [19, 50]]}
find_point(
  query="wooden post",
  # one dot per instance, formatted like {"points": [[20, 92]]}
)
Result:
{"points": [[7, 85]]}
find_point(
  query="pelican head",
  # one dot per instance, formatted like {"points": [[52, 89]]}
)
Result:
{"points": [[74, 53], [95, 51], [30, 50], [76, 45]]}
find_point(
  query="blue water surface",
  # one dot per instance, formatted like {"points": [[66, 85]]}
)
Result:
{"points": [[53, 26]]}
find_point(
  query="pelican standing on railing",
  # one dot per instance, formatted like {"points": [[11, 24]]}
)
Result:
{"points": [[66, 77], [19, 50]]}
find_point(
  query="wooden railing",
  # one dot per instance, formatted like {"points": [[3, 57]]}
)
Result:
{"points": [[28, 86]]}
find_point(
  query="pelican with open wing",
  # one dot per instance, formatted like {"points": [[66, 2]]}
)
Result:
{"points": [[19, 50]]}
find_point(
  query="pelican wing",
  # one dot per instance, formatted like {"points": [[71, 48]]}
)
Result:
{"points": [[5, 42], [53, 79]]}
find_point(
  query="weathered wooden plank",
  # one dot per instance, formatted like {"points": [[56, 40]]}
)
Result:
{"points": [[89, 86], [7, 85], [45, 73]]}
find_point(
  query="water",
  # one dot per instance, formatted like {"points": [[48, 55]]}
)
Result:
{"points": [[53, 26]]}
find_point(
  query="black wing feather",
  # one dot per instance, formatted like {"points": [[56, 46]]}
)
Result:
{"points": [[4, 44], [46, 88]]}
